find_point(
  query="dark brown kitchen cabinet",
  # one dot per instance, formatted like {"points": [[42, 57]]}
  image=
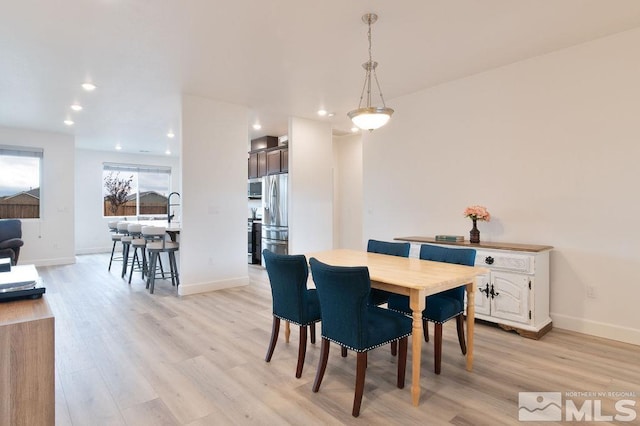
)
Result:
{"points": [[253, 165], [274, 163], [262, 163], [256, 252], [277, 161], [269, 161], [257, 164], [284, 160], [264, 143]]}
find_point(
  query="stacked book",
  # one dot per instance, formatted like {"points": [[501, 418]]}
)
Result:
{"points": [[450, 238], [19, 283], [19, 278]]}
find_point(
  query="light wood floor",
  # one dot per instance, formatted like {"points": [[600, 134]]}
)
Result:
{"points": [[125, 357]]}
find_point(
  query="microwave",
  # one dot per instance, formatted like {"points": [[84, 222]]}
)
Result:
{"points": [[254, 188]]}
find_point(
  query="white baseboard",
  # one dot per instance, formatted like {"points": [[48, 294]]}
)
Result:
{"points": [[49, 262], [596, 328], [195, 288], [93, 250]]}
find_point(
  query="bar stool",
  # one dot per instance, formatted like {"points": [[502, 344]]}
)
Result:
{"points": [[151, 234], [115, 237], [125, 239], [155, 247], [136, 241]]}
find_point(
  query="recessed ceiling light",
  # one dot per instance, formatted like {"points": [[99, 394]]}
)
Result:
{"points": [[257, 126], [68, 122], [167, 152], [89, 87], [355, 129], [171, 134], [322, 112], [118, 147], [76, 107]]}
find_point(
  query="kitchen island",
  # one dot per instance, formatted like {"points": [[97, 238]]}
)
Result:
{"points": [[172, 228]]}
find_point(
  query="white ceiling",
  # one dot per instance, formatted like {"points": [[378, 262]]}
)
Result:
{"points": [[278, 57]]}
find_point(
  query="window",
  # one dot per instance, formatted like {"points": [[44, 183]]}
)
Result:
{"points": [[133, 190], [20, 182]]}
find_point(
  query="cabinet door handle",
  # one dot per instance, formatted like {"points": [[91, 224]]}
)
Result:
{"points": [[493, 292], [485, 290], [488, 260]]}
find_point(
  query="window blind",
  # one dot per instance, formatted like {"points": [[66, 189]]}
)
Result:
{"points": [[18, 151], [116, 167]]}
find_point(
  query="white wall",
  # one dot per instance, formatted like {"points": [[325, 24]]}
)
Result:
{"points": [[50, 239], [92, 234], [551, 146], [310, 186], [213, 241], [347, 209]]}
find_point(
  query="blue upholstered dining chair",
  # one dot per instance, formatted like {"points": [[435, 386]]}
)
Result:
{"points": [[380, 297], [292, 301], [349, 320], [440, 307]]}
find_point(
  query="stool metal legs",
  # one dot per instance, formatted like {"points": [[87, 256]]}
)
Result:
{"points": [[154, 258], [113, 249], [125, 259], [174, 269], [142, 267]]}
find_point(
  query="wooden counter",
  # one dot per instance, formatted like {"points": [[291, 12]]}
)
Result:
{"points": [[482, 244], [27, 366]]}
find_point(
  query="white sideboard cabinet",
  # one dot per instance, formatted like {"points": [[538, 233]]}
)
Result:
{"points": [[515, 292]]}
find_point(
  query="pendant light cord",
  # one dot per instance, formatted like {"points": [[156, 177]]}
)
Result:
{"points": [[370, 117], [370, 68]]}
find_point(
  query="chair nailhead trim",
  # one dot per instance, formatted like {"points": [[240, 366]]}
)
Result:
{"points": [[451, 317], [295, 322], [365, 349]]}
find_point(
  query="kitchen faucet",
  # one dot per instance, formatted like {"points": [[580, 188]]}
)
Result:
{"points": [[169, 215]]}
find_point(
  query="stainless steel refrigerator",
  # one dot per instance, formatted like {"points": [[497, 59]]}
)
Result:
{"points": [[275, 223]]}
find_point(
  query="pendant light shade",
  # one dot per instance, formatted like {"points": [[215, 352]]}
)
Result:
{"points": [[370, 117]]}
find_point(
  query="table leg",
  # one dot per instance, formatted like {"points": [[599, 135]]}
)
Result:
{"points": [[287, 331], [416, 302], [471, 312]]}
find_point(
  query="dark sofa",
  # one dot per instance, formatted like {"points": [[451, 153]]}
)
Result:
{"points": [[10, 239]]}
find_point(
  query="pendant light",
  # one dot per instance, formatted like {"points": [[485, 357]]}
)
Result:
{"points": [[370, 117]]}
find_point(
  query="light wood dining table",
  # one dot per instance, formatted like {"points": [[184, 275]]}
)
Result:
{"points": [[417, 279]]}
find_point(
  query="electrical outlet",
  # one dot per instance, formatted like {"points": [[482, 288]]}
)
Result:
{"points": [[591, 292]]}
